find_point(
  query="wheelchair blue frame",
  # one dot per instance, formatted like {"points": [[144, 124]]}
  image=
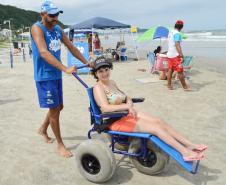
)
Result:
{"points": [[97, 118]]}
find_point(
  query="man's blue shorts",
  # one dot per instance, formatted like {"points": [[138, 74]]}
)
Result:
{"points": [[50, 93]]}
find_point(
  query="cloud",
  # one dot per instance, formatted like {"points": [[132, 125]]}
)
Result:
{"points": [[197, 14]]}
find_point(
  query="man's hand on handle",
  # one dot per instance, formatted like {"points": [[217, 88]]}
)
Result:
{"points": [[90, 64], [71, 70]]}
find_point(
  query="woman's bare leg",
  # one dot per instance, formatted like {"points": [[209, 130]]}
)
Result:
{"points": [[170, 130], [156, 129], [180, 138]]}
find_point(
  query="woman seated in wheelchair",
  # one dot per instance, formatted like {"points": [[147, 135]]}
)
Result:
{"points": [[110, 98]]}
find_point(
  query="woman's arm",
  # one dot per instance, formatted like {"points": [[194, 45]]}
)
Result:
{"points": [[101, 100], [129, 101]]}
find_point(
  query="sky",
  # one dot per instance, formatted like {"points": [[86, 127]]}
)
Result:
{"points": [[196, 14]]}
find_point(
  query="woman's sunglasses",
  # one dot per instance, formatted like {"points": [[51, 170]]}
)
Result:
{"points": [[54, 15]]}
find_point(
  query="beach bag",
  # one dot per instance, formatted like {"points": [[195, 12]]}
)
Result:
{"points": [[161, 63]]}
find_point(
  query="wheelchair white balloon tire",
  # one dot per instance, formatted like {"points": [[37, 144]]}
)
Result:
{"points": [[95, 161], [155, 162]]}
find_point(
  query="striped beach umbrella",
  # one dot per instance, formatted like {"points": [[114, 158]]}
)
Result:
{"points": [[157, 32]]}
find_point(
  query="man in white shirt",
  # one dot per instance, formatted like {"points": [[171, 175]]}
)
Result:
{"points": [[175, 55]]}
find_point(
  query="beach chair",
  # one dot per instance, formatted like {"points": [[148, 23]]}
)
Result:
{"points": [[152, 62], [148, 153], [187, 65]]}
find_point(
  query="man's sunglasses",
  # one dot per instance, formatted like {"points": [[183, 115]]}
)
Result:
{"points": [[54, 15]]}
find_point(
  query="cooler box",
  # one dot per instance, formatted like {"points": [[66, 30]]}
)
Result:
{"points": [[162, 62]]}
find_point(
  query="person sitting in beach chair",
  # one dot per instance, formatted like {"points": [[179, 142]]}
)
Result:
{"points": [[156, 59], [120, 52], [110, 98], [160, 59]]}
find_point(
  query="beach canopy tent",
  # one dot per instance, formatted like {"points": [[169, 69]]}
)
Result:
{"points": [[99, 23]]}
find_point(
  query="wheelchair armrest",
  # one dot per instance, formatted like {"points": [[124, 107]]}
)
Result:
{"points": [[138, 100], [115, 114]]}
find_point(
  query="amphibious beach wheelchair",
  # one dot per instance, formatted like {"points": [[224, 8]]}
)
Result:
{"points": [[148, 153]]}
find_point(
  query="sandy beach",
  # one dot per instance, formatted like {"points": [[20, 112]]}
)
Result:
{"points": [[199, 115]]}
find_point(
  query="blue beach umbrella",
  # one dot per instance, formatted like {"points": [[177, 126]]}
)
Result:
{"points": [[161, 32]]}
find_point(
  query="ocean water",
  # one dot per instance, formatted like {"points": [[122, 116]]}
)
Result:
{"points": [[211, 44]]}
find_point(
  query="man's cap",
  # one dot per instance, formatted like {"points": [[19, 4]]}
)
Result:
{"points": [[99, 62], [50, 8], [179, 22]]}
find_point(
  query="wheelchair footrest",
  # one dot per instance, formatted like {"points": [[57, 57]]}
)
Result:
{"points": [[192, 167]]}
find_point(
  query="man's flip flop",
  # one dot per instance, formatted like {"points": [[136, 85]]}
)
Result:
{"points": [[201, 148]]}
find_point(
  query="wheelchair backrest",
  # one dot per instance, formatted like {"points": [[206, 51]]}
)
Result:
{"points": [[94, 108]]}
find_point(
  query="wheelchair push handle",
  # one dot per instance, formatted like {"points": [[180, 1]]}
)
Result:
{"points": [[82, 66], [79, 79]]}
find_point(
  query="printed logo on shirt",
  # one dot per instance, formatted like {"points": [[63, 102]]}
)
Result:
{"points": [[55, 44], [48, 34], [57, 34]]}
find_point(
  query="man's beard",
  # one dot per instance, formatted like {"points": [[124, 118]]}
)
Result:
{"points": [[52, 22]]}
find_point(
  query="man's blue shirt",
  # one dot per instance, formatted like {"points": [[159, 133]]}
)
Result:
{"points": [[43, 71]]}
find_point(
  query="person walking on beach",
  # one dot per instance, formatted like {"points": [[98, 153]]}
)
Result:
{"points": [[97, 45], [96, 42], [175, 56], [46, 46]]}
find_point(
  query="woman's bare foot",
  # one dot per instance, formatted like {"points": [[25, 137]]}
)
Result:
{"points": [[193, 156], [198, 147], [47, 139], [63, 151]]}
